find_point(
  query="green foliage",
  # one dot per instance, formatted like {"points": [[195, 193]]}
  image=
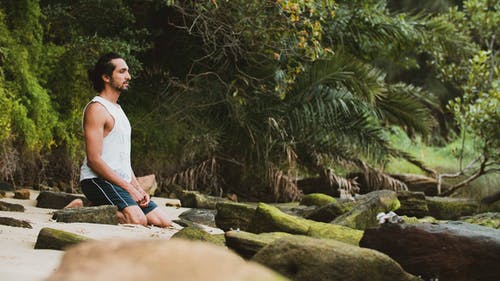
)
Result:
{"points": [[31, 114], [263, 89]]}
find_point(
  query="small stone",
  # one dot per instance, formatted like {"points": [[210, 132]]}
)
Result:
{"points": [[14, 222], [9, 207], [22, 194]]}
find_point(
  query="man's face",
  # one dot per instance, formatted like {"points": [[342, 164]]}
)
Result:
{"points": [[120, 77]]}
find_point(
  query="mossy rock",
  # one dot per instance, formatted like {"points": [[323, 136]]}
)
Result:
{"points": [[305, 258], [270, 219], [447, 208], [195, 199], [331, 211], [247, 244], [198, 234], [364, 214], [50, 238], [317, 199], [415, 220], [232, 215], [490, 219]]}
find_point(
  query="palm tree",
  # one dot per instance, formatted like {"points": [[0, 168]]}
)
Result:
{"points": [[338, 108]]}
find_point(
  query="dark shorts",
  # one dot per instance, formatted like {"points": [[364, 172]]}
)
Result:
{"points": [[101, 192]]}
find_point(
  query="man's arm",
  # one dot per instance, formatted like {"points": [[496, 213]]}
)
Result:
{"points": [[139, 187], [97, 121]]}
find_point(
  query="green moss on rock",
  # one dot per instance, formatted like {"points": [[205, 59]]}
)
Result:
{"points": [[447, 208], [317, 199], [198, 234], [55, 239]]}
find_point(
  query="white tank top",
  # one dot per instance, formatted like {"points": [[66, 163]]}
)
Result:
{"points": [[116, 145]]}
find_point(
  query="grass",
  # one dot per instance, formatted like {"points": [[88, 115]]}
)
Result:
{"points": [[442, 159]]}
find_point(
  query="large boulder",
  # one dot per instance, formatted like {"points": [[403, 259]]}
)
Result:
{"points": [[247, 244], [157, 260], [364, 214], [270, 219], [451, 251], [448, 208], [304, 258]]}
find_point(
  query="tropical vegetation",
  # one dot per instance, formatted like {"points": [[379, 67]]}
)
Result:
{"points": [[249, 96]]}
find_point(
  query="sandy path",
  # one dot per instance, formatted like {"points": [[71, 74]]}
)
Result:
{"points": [[20, 261]]}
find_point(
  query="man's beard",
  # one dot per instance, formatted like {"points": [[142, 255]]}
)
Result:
{"points": [[120, 88]]}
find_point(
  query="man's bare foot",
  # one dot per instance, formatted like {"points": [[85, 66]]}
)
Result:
{"points": [[77, 203], [121, 217]]}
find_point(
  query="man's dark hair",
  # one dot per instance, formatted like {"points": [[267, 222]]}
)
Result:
{"points": [[102, 67]]}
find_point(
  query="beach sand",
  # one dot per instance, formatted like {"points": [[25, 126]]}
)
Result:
{"points": [[20, 261]]}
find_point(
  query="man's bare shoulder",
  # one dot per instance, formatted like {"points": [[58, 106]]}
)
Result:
{"points": [[96, 110]]}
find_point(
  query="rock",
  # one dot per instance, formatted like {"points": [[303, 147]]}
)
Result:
{"points": [[492, 198], [270, 219], [105, 214], [489, 219], [231, 215], [148, 183], [247, 244], [176, 203], [54, 239], [329, 212], [9, 207], [22, 194], [198, 234], [447, 208], [450, 251], [200, 216], [2, 194], [415, 220], [57, 200], [157, 260], [364, 214], [321, 184], [305, 258], [5, 186], [413, 204], [316, 199], [14, 222], [420, 183], [194, 199]]}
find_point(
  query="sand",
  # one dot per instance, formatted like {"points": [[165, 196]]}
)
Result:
{"points": [[21, 262]]}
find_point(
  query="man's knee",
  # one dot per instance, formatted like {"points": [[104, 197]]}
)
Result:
{"points": [[135, 216]]}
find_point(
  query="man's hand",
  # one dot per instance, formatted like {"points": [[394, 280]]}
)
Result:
{"points": [[145, 199]]}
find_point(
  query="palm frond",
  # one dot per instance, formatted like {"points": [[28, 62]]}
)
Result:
{"points": [[400, 106], [374, 179]]}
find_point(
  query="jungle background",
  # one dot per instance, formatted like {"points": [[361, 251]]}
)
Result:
{"points": [[249, 96]]}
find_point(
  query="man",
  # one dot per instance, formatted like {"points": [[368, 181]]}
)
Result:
{"points": [[106, 175]]}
